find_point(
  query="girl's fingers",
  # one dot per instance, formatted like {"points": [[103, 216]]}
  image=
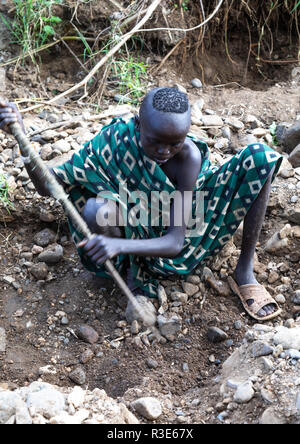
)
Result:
{"points": [[102, 259]]}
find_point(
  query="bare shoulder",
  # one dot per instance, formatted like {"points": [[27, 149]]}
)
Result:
{"points": [[188, 165], [191, 152]]}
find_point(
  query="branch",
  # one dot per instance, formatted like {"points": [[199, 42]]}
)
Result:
{"points": [[116, 48]]}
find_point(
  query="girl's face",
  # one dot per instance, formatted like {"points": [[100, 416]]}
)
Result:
{"points": [[162, 138]]}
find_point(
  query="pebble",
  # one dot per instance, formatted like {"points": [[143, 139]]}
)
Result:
{"points": [[62, 145], [132, 313], [244, 392], [169, 324], [294, 354], [190, 289], [148, 407], [135, 327], [216, 335], [44, 237], [78, 376], [151, 363], [40, 271], [196, 83], [238, 325], [280, 299], [86, 356], [52, 254], [87, 334], [261, 349], [212, 121], [296, 297]]}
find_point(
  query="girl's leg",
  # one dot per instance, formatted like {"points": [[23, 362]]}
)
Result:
{"points": [[253, 223]]}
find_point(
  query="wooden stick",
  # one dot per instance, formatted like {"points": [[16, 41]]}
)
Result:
{"points": [[59, 194]]}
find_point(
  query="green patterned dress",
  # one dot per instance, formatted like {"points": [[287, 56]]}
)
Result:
{"points": [[115, 160]]}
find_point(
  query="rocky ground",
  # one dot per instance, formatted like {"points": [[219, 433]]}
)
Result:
{"points": [[66, 336]]}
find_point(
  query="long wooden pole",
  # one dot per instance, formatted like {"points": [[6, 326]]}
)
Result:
{"points": [[59, 194]]}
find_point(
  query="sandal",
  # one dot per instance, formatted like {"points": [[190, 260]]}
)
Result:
{"points": [[261, 298]]}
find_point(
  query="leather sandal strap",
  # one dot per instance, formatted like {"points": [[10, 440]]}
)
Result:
{"points": [[258, 294]]}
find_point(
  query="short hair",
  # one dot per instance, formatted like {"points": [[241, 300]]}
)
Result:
{"points": [[170, 100]]}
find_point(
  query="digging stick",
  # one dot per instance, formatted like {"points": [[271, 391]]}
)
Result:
{"points": [[59, 194]]}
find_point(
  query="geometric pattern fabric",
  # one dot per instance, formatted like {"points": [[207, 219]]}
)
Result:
{"points": [[116, 158]]}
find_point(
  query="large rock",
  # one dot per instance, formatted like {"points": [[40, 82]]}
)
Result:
{"points": [[294, 158], [148, 407], [290, 137], [288, 338], [43, 399], [11, 404]]}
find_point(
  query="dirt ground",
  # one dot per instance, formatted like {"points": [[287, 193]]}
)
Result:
{"points": [[31, 311]]}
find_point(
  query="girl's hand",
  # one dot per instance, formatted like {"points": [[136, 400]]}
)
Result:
{"points": [[101, 248], [9, 114]]}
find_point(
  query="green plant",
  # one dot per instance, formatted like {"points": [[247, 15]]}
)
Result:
{"points": [[4, 194], [33, 23], [296, 6], [184, 5], [131, 77], [273, 128]]}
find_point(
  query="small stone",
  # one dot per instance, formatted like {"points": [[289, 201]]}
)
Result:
{"points": [[44, 237], [181, 297], [234, 123], [162, 298], [36, 249], [62, 145], [294, 354], [280, 299], [212, 121], [135, 327], [78, 376], [52, 254], [148, 407], [261, 349], [134, 313], [296, 297], [45, 216], [190, 289], [238, 325], [180, 88], [86, 356], [259, 132], [169, 325], [87, 334], [151, 363], [194, 279], [216, 335], [244, 393], [39, 271], [196, 83]]}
